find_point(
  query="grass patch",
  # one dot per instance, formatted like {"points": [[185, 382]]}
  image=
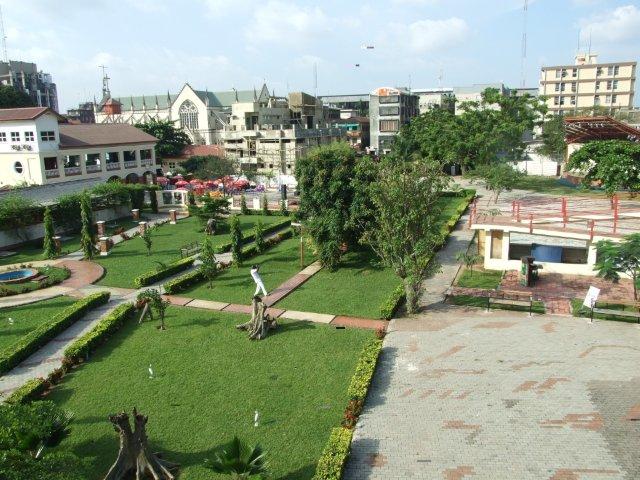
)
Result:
{"points": [[553, 186], [129, 259], [235, 285], [54, 275], [210, 378], [579, 310], [32, 251], [27, 318], [489, 279], [481, 302]]}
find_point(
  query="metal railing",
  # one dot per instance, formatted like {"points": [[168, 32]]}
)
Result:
{"points": [[52, 173], [93, 168], [113, 166], [130, 164], [69, 171]]}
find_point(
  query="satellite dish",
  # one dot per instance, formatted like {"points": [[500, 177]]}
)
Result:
{"points": [[368, 47], [357, 64]]}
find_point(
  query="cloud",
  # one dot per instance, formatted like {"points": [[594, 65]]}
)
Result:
{"points": [[148, 6], [618, 25], [424, 36], [217, 8]]}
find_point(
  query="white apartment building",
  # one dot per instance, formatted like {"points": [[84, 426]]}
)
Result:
{"points": [[389, 109], [38, 147], [429, 98], [587, 84]]}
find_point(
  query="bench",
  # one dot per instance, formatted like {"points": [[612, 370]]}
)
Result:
{"points": [[510, 298], [190, 249], [617, 312]]}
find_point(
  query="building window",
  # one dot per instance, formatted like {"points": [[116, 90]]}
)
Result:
{"points": [[50, 163], [557, 87], [556, 100], [113, 157], [28, 137], [389, 125], [15, 136], [573, 100], [610, 70], [562, 85], [145, 154], [92, 159], [18, 167], [615, 84], [574, 87], [558, 73], [597, 86], [3, 137], [574, 72], [48, 136], [614, 98], [596, 100], [172, 165], [71, 161], [389, 99], [607, 99], [609, 84], [389, 110], [599, 71], [129, 155], [188, 115], [616, 70]]}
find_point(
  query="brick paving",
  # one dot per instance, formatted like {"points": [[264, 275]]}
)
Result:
{"points": [[82, 273], [464, 394]]}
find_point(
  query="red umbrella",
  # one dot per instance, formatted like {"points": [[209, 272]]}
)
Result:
{"points": [[195, 181], [181, 184], [177, 175], [211, 183], [162, 180]]}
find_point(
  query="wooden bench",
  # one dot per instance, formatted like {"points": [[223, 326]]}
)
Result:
{"points": [[190, 250], [618, 313], [510, 298]]}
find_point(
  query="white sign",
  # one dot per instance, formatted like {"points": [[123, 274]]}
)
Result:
{"points": [[592, 297]]}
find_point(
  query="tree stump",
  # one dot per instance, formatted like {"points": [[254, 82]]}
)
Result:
{"points": [[260, 322], [135, 459], [210, 229]]}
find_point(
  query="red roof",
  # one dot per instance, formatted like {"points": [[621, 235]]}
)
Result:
{"points": [[27, 113], [584, 129], [100, 134]]}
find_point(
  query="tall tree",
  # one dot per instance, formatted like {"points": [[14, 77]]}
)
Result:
{"points": [[236, 240], [171, 138], [209, 166], [615, 259], [405, 232], [553, 135], [614, 163], [147, 238], [326, 193], [209, 265], [48, 245], [498, 177], [86, 233], [12, 98]]}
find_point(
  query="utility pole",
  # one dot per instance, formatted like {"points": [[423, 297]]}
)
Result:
{"points": [[523, 60], [105, 81], [5, 57], [315, 79]]}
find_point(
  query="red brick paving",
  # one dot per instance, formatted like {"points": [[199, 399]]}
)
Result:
{"points": [[83, 273], [178, 301], [458, 473], [357, 322], [285, 288], [235, 308], [576, 474]]}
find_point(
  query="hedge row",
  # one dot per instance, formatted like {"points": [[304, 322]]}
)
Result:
{"points": [[107, 325], [274, 227], [31, 390], [152, 277], [336, 451], [393, 302], [272, 213], [37, 338], [335, 455]]}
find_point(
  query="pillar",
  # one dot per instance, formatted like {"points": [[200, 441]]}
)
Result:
{"points": [[136, 214], [57, 241], [506, 236], [105, 244], [487, 247], [101, 227], [591, 254], [173, 217], [142, 227], [256, 203]]}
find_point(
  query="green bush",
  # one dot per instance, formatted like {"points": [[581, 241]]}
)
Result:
{"points": [[364, 370], [183, 282], [393, 302], [31, 390], [154, 276], [334, 456], [274, 227], [107, 325], [37, 338]]}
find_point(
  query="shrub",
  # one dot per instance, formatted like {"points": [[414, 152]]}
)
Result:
{"points": [[265, 204], [236, 239], [48, 245], [258, 236], [243, 205], [393, 302], [364, 370], [335, 455], [30, 390], [37, 338], [86, 236], [156, 275], [183, 282], [109, 324], [283, 208]]}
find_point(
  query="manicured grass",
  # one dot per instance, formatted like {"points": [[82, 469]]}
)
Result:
{"points": [[210, 379], [553, 186], [489, 279], [27, 317], [129, 259], [32, 252], [357, 288], [235, 285], [55, 275], [579, 310], [481, 302]]}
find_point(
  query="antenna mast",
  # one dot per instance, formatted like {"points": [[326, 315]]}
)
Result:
{"points": [[315, 80], [105, 82], [523, 60], [5, 57]]}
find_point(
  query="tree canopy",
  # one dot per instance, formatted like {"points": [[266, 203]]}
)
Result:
{"points": [[614, 163], [12, 98], [171, 140], [553, 135], [209, 166], [615, 259]]}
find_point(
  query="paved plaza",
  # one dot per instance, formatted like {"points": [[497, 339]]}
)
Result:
{"points": [[464, 394]]}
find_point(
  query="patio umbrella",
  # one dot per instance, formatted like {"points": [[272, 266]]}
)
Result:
{"points": [[211, 183], [181, 184], [195, 181], [162, 180]]}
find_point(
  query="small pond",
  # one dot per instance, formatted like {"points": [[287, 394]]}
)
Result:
{"points": [[18, 276]]}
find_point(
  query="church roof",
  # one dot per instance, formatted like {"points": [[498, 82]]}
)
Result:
{"points": [[226, 98], [148, 100]]}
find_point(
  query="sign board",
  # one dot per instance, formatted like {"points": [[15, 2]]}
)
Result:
{"points": [[385, 91], [592, 297]]}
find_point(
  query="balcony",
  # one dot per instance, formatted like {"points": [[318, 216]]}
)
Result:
{"points": [[70, 171], [146, 162], [113, 166], [130, 164], [52, 173], [94, 168]]}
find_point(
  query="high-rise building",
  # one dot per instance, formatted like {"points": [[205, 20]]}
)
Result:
{"points": [[389, 109], [587, 84], [25, 77], [83, 113]]}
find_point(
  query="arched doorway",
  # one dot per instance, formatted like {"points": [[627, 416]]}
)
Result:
{"points": [[114, 178], [132, 178]]}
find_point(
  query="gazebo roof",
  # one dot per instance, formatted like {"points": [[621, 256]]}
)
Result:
{"points": [[584, 129]]}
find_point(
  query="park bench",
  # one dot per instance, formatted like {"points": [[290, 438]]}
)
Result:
{"points": [[502, 297], [618, 312], [190, 249]]}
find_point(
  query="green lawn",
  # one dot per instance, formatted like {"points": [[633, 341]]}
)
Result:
{"points": [[235, 285], [129, 259], [55, 275], [28, 317], [579, 310], [357, 288], [481, 302], [32, 252], [489, 279], [210, 379], [552, 186]]}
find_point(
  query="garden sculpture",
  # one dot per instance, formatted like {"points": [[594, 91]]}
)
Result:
{"points": [[260, 322]]}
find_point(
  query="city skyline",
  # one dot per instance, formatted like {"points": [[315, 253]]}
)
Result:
{"points": [[151, 47]]}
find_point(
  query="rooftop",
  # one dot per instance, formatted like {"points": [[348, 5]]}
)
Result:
{"points": [[93, 135], [201, 150], [27, 113], [584, 129]]}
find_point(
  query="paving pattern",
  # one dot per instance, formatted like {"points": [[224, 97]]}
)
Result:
{"points": [[460, 393]]}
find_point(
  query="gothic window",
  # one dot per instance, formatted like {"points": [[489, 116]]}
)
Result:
{"points": [[188, 115]]}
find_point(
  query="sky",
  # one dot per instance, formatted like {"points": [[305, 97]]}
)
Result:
{"points": [[155, 46]]}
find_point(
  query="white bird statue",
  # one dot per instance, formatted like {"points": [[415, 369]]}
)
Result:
{"points": [[150, 371], [10, 320], [256, 418]]}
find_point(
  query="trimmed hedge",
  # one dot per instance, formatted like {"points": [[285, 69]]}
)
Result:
{"points": [[152, 277], [334, 455], [31, 390], [107, 325], [393, 302], [37, 338], [274, 227], [364, 370]]}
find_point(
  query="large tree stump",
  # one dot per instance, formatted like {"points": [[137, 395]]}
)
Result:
{"points": [[260, 322], [135, 459]]}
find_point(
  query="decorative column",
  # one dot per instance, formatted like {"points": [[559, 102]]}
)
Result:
{"points": [[173, 217], [142, 227], [256, 204], [105, 244], [101, 228], [136, 214], [57, 241]]}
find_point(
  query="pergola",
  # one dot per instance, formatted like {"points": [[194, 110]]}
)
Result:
{"points": [[584, 129]]}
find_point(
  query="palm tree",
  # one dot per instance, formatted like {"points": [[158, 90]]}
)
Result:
{"points": [[239, 460]]}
